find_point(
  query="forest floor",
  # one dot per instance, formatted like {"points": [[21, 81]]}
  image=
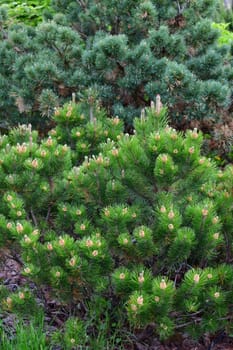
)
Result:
{"points": [[10, 276]]}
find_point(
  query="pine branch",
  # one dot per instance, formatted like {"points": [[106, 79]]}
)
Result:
{"points": [[15, 257], [228, 248], [91, 115], [179, 7], [48, 214], [82, 4], [197, 320], [83, 35], [34, 219]]}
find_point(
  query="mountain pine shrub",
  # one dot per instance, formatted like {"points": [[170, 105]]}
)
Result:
{"points": [[125, 51], [141, 228]]}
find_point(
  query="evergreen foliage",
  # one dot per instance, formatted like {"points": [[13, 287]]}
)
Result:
{"points": [[125, 51], [143, 224]]}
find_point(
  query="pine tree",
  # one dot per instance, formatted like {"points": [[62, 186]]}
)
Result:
{"points": [[142, 225], [125, 51]]}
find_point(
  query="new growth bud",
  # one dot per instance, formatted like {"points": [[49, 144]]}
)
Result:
{"points": [[140, 300], [158, 105], [122, 276], [163, 284], [196, 278], [141, 278]]}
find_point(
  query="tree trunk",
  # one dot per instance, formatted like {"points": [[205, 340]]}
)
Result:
{"points": [[228, 4]]}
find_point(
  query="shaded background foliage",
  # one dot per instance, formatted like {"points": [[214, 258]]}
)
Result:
{"points": [[122, 53]]}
